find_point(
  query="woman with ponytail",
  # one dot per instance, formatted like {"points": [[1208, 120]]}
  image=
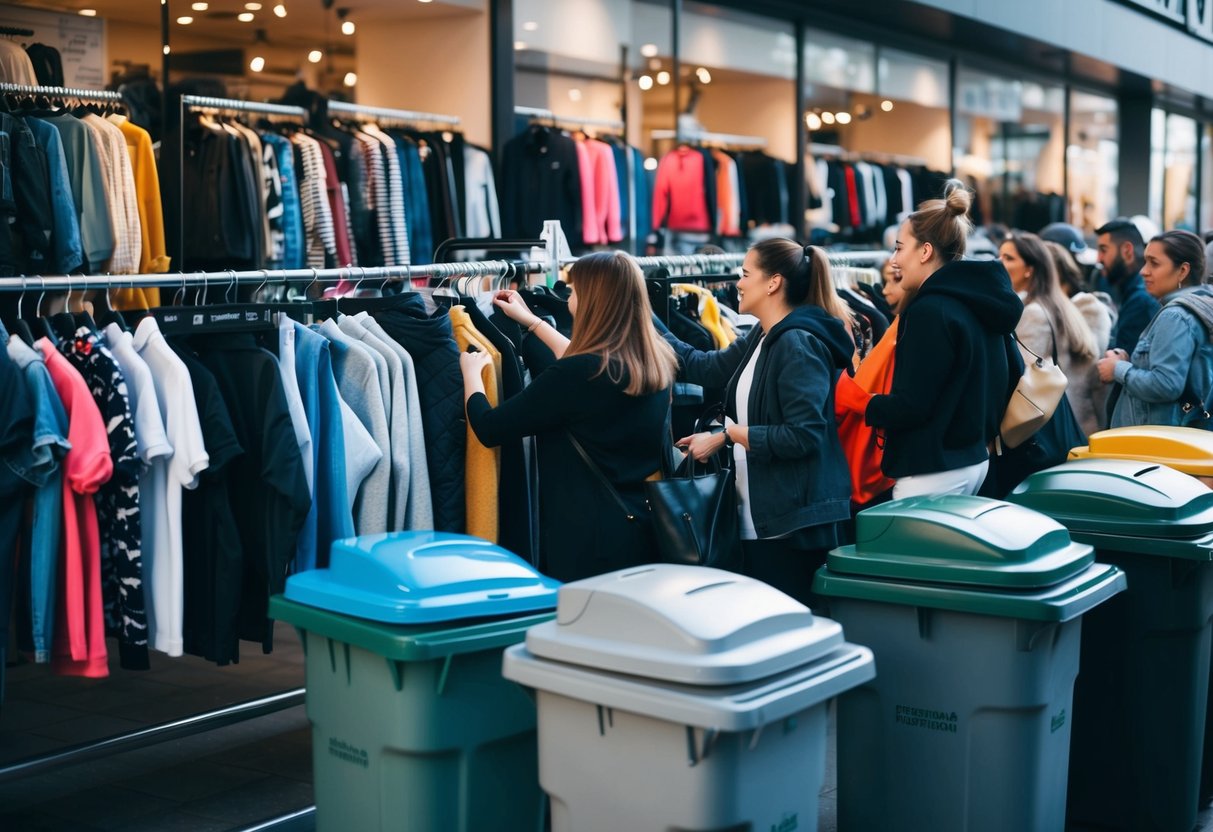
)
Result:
{"points": [[952, 374], [793, 485]]}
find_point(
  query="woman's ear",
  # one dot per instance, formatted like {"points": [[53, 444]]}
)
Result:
{"points": [[1185, 271], [928, 253], [774, 284]]}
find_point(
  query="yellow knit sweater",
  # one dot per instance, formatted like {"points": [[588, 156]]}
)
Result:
{"points": [[483, 464]]}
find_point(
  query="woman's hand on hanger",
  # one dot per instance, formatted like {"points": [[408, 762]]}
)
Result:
{"points": [[515, 308]]}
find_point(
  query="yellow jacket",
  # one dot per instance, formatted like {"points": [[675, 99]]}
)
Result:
{"points": [[153, 259], [483, 464], [709, 313]]}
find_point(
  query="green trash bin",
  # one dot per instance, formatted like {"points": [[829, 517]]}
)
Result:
{"points": [[1139, 704], [413, 726], [973, 609]]}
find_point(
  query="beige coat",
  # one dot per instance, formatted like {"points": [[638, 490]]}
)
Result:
{"points": [[1088, 396]]}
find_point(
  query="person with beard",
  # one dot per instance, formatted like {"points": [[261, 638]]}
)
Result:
{"points": [[1121, 250], [793, 484], [952, 374]]}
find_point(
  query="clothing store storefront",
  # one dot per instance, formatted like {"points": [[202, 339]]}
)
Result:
{"points": [[824, 119]]}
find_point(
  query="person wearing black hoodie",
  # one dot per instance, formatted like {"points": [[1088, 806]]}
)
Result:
{"points": [[793, 484], [952, 378]]}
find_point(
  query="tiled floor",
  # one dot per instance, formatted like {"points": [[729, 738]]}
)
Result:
{"points": [[230, 778]]}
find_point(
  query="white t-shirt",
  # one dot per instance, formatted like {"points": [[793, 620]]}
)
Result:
{"points": [[179, 410], [741, 466]]}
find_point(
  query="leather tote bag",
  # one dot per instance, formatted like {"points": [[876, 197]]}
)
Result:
{"points": [[695, 517], [1036, 396]]}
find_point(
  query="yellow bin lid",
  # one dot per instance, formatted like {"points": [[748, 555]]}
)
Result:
{"points": [[1189, 450]]}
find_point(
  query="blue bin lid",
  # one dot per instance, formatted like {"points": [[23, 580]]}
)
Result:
{"points": [[422, 578]]}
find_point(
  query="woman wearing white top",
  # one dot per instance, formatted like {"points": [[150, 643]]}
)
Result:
{"points": [[793, 483]]}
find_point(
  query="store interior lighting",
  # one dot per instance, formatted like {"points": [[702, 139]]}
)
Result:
{"points": [[87, 12], [185, 20], [530, 26], [827, 117], [813, 121], [199, 7], [257, 64], [350, 79], [315, 56], [886, 105], [253, 7], [649, 50], [663, 77], [703, 75], [280, 10], [245, 17], [843, 118], [645, 82]]}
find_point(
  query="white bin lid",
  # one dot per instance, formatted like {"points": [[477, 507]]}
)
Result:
{"points": [[684, 624]]}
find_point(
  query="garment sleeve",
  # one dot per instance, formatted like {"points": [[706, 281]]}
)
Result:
{"points": [[803, 381], [916, 382], [661, 196], [713, 368], [1172, 345], [544, 405]]}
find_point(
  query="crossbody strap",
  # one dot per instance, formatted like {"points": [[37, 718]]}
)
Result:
{"points": [[601, 477]]}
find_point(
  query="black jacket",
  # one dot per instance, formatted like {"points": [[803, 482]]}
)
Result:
{"points": [[431, 343], [540, 180], [798, 474], [581, 531], [951, 379]]}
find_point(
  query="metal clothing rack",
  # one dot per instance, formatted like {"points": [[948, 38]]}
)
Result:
{"points": [[62, 92], [389, 114], [16, 31], [706, 137], [555, 118]]}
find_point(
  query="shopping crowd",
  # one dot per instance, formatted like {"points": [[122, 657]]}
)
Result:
{"points": [[812, 432]]}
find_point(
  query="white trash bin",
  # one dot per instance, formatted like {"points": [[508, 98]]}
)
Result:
{"points": [[680, 697]]}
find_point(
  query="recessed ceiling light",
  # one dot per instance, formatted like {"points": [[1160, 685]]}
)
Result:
{"points": [[185, 20], [703, 75], [645, 82], [199, 7], [87, 12], [649, 50], [886, 105], [519, 45], [350, 79], [530, 26], [574, 94], [663, 77], [425, 1], [813, 121], [843, 118], [315, 56], [253, 7], [245, 17], [827, 117], [257, 64], [167, 49], [347, 27], [280, 10], [650, 163]]}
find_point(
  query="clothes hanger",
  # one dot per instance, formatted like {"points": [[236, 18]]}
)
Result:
{"points": [[20, 327], [64, 323], [108, 314]]}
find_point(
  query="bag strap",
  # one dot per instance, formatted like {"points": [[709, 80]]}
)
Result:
{"points": [[1029, 351], [601, 477]]}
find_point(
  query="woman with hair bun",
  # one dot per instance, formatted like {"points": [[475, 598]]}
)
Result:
{"points": [[793, 485], [1167, 379], [952, 376]]}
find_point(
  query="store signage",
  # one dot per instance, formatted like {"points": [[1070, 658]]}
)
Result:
{"points": [[1200, 18], [80, 41], [1172, 9]]}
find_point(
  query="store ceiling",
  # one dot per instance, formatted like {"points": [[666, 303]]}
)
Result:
{"points": [[306, 20]]}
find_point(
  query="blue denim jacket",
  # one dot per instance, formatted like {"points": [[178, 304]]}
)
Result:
{"points": [[40, 548], [1173, 352]]}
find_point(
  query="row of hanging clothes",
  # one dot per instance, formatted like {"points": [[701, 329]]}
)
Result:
{"points": [[309, 185], [716, 188], [579, 171], [857, 198], [26, 62], [80, 185], [167, 468]]}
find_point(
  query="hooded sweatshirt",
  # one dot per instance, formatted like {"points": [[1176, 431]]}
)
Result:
{"points": [[798, 475], [952, 377]]}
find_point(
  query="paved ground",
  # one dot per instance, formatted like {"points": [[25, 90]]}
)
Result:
{"points": [[228, 779]]}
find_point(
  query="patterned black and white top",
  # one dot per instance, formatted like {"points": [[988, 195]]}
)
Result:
{"points": [[117, 501]]}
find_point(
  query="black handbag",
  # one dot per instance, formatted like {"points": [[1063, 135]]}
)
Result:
{"points": [[693, 518]]}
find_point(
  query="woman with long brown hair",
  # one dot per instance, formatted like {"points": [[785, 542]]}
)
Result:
{"points": [[607, 395], [1053, 326]]}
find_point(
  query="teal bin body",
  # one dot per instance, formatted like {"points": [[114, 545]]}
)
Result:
{"points": [[973, 610], [413, 726], [1140, 701]]}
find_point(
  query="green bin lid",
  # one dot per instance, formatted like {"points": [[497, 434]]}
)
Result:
{"points": [[1138, 503], [954, 539], [407, 643]]}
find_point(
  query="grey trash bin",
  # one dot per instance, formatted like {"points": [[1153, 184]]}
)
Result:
{"points": [[973, 609], [679, 697]]}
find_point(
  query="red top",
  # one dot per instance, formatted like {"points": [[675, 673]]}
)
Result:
{"points": [[680, 201], [79, 647]]}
